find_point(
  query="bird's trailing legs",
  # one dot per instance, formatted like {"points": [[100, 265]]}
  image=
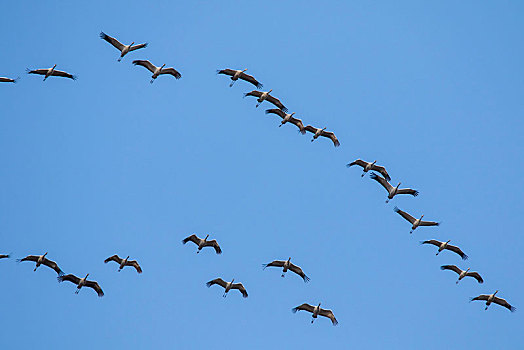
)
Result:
{"points": [[77, 290], [283, 275], [119, 59], [232, 83], [152, 81], [387, 201]]}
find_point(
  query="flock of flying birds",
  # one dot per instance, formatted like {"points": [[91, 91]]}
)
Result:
{"points": [[286, 265]]}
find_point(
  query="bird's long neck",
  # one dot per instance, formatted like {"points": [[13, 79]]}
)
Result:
{"points": [[205, 239], [131, 44], [244, 70]]}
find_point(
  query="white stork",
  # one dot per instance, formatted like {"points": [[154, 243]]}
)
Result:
{"points": [[157, 70], [286, 117], [124, 262], [491, 298], [415, 222], [288, 265], [392, 191], [370, 166], [263, 96], [124, 49], [201, 243], [462, 273], [41, 259], [47, 72], [316, 311], [239, 74], [82, 282], [321, 132], [228, 286], [445, 245]]}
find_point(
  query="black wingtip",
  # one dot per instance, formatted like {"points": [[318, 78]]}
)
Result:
{"points": [[294, 310], [465, 257], [306, 279], [259, 86], [284, 109], [512, 308], [396, 209], [60, 273], [443, 267], [415, 193], [373, 176], [60, 279], [209, 284], [74, 77]]}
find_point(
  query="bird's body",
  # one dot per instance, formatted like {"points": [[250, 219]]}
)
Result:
{"points": [[82, 282], [263, 96], [491, 298], [47, 72], [41, 259], [239, 74], [446, 246], [366, 166], [321, 132], [124, 49], [287, 117], [228, 286], [157, 70], [288, 265], [316, 311], [415, 222], [8, 80], [392, 191], [201, 243], [124, 262], [462, 273]]}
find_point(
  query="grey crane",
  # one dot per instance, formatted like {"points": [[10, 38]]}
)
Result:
{"points": [[124, 49], [322, 132], [263, 96], [42, 260], [286, 117], [491, 298], [228, 286], [48, 72], [446, 246], [287, 265], [415, 222], [462, 273], [316, 311], [124, 262], [392, 191], [370, 166], [82, 282], [239, 74], [157, 70], [201, 243]]}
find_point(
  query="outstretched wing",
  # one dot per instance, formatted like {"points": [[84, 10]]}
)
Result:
{"points": [[480, 297], [241, 288], [276, 111], [251, 79], [305, 307], [171, 71], [381, 181], [457, 250], [253, 93], [29, 258], [276, 102], [192, 238], [503, 302], [37, 71], [96, 287], [476, 276], [70, 278], [146, 64], [331, 135], [329, 314], [410, 191], [358, 162], [299, 272], [135, 264], [114, 258], [429, 223], [218, 281], [136, 47], [299, 124], [59, 73], [432, 241], [311, 129], [213, 243], [451, 268], [112, 41], [53, 265], [229, 72], [405, 215], [275, 263], [7, 80]]}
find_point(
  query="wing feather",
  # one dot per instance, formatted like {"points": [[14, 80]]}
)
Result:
{"points": [[405, 215]]}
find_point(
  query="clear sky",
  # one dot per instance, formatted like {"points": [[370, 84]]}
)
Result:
{"points": [[112, 164]]}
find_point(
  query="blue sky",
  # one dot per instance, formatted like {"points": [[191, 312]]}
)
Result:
{"points": [[112, 164]]}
